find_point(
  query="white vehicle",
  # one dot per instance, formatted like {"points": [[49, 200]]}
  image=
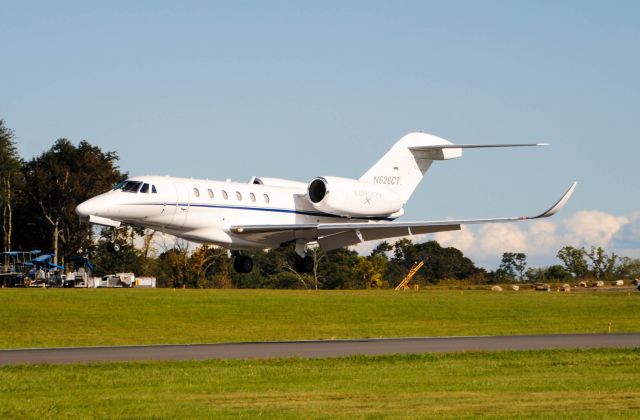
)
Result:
{"points": [[330, 212]]}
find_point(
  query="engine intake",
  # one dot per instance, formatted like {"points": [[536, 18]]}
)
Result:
{"points": [[317, 190]]}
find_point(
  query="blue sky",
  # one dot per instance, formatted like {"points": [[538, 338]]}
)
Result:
{"points": [[235, 89]]}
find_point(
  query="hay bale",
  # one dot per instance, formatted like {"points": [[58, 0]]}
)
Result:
{"points": [[618, 283], [566, 288], [583, 284], [515, 287], [496, 289]]}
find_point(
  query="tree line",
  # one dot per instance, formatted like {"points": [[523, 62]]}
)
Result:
{"points": [[38, 198]]}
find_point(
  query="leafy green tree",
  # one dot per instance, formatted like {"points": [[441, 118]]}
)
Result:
{"points": [[535, 274], [383, 248], [405, 253], [127, 260], [445, 263], [208, 266], [172, 268], [500, 275], [602, 265], [56, 182], [370, 271], [284, 280], [514, 265], [10, 185], [574, 260], [273, 269], [440, 263], [337, 270], [629, 268], [557, 272]]}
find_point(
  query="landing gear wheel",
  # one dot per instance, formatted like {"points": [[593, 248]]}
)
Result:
{"points": [[113, 247], [243, 264], [304, 265]]}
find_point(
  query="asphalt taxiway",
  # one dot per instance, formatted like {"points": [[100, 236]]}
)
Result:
{"points": [[315, 349]]}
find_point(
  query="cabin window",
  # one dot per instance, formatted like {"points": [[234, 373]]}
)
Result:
{"points": [[210, 193], [266, 198], [252, 196], [196, 192], [131, 186], [145, 188], [238, 196], [153, 189], [225, 195]]}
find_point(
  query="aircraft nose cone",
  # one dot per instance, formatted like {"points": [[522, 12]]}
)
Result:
{"points": [[86, 208]]}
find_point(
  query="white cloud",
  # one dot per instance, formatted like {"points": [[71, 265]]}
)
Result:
{"points": [[492, 240], [627, 240], [463, 239], [596, 228]]}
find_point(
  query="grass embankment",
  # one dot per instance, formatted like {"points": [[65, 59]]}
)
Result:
{"points": [[569, 384], [62, 317]]}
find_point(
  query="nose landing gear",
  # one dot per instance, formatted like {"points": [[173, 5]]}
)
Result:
{"points": [[112, 245]]}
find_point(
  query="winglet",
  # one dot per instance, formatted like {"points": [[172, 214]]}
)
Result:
{"points": [[559, 205]]}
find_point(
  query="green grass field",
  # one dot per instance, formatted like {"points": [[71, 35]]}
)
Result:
{"points": [[537, 384], [63, 317]]}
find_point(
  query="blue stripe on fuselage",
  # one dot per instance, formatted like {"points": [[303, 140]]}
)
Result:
{"points": [[269, 209]]}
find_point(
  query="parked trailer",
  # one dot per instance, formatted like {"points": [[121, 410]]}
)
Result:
{"points": [[145, 282], [118, 280]]}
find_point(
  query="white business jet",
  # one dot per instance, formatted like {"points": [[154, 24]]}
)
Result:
{"points": [[329, 212]]}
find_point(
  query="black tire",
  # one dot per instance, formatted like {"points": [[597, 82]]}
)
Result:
{"points": [[243, 264], [304, 265]]}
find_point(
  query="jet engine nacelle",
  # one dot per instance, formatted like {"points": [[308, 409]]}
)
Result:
{"points": [[352, 198]]}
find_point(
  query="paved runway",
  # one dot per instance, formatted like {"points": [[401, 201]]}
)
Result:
{"points": [[314, 349]]}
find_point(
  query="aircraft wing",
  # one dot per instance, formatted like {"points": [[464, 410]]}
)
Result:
{"points": [[336, 235]]}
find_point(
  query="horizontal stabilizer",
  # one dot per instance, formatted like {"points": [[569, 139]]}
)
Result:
{"points": [[452, 151], [475, 146]]}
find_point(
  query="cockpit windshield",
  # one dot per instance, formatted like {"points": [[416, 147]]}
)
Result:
{"points": [[130, 186], [135, 187], [119, 185]]}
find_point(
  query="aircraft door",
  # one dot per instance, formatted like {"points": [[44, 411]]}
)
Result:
{"points": [[182, 205]]}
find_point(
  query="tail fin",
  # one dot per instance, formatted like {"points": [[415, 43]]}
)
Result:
{"points": [[404, 165]]}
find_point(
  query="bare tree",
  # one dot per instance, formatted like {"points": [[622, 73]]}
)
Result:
{"points": [[10, 178]]}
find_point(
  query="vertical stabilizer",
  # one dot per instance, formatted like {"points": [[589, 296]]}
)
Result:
{"points": [[403, 166]]}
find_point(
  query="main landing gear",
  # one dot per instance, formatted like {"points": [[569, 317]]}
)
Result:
{"points": [[304, 265], [242, 264]]}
